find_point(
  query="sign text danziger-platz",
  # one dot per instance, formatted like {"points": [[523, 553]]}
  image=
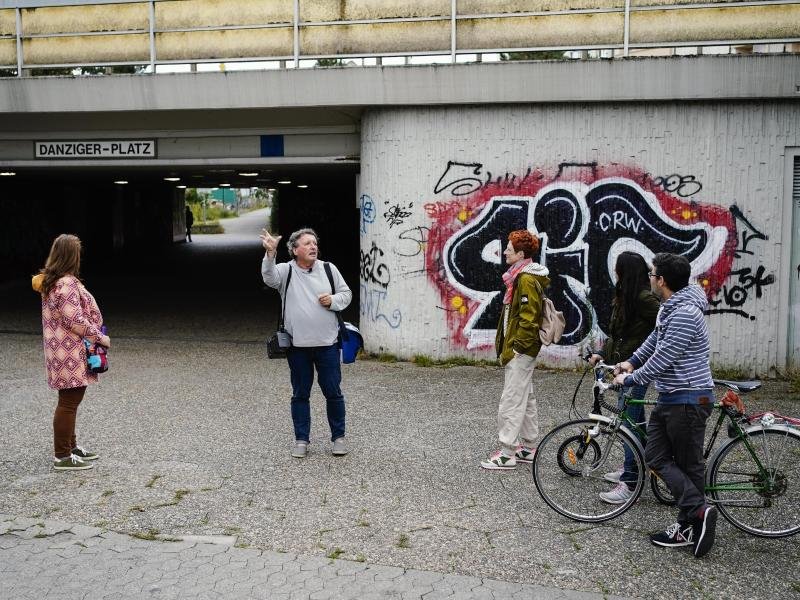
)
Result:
{"points": [[96, 149]]}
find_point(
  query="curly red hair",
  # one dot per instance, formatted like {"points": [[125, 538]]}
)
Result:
{"points": [[524, 241]]}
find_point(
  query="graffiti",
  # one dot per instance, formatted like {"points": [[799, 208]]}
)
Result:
{"points": [[746, 237], [585, 216], [463, 179], [683, 185], [396, 214], [373, 269], [734, 296], [367, 207], [370, 306], [460, 178], [413, 241]]}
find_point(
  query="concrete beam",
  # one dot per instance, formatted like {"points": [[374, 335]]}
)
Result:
{"points": [[642, 79]]}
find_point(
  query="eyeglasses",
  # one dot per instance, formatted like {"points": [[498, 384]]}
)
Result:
{"points": [[653, 275]]}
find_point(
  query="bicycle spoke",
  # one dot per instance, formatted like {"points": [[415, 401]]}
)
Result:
{"points": [[570, 466], [762, 501]]}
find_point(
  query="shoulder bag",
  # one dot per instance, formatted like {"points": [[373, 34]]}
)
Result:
{"points": [[280, 342]]}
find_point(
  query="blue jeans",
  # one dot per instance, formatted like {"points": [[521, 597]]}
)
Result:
{"points": [[302, 362], [636, 412]]}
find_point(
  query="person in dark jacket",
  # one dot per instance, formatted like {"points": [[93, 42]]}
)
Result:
{"points": [[189, 223], [517, 344], [633, 317], [676, 358]]}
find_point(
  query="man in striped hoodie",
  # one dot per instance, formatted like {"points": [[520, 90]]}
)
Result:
{"points": [[675, 356]]}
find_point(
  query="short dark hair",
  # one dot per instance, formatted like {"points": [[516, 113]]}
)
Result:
{"points": [[674, 268]]}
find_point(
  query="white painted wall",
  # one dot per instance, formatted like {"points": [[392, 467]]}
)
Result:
{"points": [[727, 154]]}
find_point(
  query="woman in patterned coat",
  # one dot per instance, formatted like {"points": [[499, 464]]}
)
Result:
{"points": [[69, 315]]}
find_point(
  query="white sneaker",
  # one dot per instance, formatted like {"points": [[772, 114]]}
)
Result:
{"points": [[619, 495], [500, 461], [614, 476]]}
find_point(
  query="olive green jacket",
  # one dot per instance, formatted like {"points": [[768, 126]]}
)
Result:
{"points": [[625, 338], [524, 315]]}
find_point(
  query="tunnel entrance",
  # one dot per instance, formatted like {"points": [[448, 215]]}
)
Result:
{"points": [[147, 281]]}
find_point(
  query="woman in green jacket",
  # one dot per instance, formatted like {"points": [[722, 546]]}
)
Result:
{"points": [[517, 344], [633, 317]]}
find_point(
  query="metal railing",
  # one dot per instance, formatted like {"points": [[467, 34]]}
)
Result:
{"points": [[444, 33]]}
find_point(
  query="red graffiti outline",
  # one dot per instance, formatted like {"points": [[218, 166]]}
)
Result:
{"points": [[453, 214]]}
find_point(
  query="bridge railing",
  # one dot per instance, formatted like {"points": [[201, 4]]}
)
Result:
{"points": [[47, 34]]}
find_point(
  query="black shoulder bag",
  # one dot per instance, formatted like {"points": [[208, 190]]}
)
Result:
{"points": [[343, 333], [280, 341]]}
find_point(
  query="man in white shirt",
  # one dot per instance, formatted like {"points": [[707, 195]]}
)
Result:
{"points": [[310, 318]]}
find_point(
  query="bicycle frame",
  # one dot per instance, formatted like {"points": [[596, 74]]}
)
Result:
{"points": [[622, 417]]}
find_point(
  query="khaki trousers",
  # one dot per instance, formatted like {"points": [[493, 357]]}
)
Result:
{"points": [[518, 416]]}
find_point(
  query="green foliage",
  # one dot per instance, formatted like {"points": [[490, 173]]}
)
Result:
{"points": [[329, 62], [454, 361], [730, 373], [540, 55], [191, 196]]}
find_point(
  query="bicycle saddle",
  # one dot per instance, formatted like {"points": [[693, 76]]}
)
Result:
{"points": [[739, 386]]}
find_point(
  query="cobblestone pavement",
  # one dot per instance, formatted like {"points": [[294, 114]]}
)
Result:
{"points": [[193, 427], [49, 559]]}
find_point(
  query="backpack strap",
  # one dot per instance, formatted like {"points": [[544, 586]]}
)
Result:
{"points": [[283, 303], [342, 329]]}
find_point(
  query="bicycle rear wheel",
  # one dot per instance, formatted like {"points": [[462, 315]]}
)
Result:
{"points": [[570, 463], [765, 504]]}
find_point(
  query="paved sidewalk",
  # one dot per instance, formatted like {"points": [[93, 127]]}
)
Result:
{"points": [[193, 427], [47, 559]]}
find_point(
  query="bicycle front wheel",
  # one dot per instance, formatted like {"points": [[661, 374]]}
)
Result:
{"points": [[761, 501], [569, 467]]}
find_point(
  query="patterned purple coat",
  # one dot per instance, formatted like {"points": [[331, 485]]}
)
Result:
{"points": [[69, 314]]}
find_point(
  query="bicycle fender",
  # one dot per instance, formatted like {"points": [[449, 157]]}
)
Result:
{"points": [[608, 421]]}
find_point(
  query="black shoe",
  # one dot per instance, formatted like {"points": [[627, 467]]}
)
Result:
{"points": [[703, 530], [674, 536]]}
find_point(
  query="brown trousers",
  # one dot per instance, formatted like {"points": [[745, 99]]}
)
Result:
{"points": [[64, 420]]}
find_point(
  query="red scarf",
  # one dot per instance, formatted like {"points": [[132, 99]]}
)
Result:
{"points": [[510, 275]]}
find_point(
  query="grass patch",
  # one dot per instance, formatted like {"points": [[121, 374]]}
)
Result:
{"points": [[179, 494], [241, 545], [107, 493], [136, 508], [360, 557], [152, 481], [335, 553], [403, 541], [208, 227], [41, 535], [730, 373], [148, 535], [232, 530], [100, 524], [454, 361]]}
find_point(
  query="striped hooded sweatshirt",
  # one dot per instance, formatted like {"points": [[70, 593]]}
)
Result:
{"points": [[676, 354]]}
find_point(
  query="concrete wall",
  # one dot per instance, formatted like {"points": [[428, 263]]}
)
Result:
{"points": [[440, 189]]}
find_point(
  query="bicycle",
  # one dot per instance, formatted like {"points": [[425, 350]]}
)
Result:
{"points": [[753, 477]]}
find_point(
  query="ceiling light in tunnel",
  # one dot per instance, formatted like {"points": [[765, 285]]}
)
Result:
{"points": [[302, 186], [121, 182], [249, 174], [172, 178], [7, 173], [181, 187], [271, 190], [285, 182], [224, 185]]}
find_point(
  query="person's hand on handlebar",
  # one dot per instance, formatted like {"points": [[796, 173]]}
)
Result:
{"points": [[623, 367], [594, 359]]}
